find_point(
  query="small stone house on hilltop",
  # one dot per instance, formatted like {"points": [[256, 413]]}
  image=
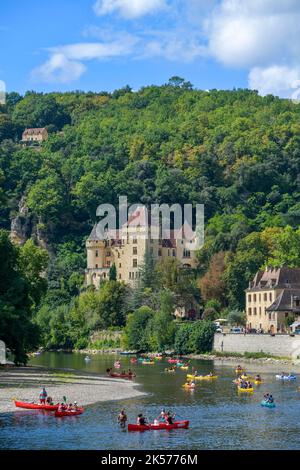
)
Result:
{"points": [[37, 134]]}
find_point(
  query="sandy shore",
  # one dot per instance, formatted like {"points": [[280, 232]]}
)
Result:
{"points": [[24, 383]]}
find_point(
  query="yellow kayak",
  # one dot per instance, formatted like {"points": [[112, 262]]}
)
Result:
{"points": [[239, 371], [158, 358], [148, 363], [184, 367], [247, 390], [257, 382], [201, 377]]}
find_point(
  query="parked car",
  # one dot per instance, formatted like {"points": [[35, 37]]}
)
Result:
{"points": [[236, 329]]}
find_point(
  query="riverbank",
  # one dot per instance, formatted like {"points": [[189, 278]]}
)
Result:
{"points": [[240, 359], [24, 383]]}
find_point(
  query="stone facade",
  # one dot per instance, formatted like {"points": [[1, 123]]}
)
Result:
{"points": [[272, 296], [278, 345], [126, 249]]}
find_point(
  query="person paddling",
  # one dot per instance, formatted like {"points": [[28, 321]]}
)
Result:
{"points": [[170, 418], [43, 396], [122, 418], [141, 420]]}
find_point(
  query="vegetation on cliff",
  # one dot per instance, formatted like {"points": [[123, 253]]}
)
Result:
{"points": [[234, 151]]}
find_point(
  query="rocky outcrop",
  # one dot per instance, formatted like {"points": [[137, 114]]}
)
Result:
{"points": [[25, 225], [22, 224]]}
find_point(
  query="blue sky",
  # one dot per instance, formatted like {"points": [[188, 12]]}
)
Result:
{"points": [[106, 44]]}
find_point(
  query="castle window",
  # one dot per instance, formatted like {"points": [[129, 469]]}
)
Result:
{"points": [[174, 253], [159, 252], [255, 311], [265, 296], [186, 253], [134, 263], [249, 298], [120, 276], [254, 298], [97, 253], [134, 240], [259, 311], [134, 250], [96, 266], [249, 311], [259, 297], [108, 253], [120, 265], [270, 296]]}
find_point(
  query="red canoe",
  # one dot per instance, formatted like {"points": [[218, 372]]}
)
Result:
{"points": [[35, 406], [121, 376], [60, 414], [151, 427]]}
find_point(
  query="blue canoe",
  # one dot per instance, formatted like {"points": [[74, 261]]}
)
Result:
{"points": [[267, 404]]}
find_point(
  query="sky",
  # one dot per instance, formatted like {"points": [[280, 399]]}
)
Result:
{"points": [[97, 45]]}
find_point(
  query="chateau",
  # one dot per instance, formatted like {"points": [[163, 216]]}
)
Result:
{"points": [[272, 297], [127, 249]]}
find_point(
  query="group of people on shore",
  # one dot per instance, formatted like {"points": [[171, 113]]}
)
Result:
{"points": [[164, 417]]}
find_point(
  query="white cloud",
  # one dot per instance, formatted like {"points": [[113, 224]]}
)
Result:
{"points": [[279, 80], [261, 36], [128, 8], [65, 62], [173, 46], [247, 33], [58, 69]]}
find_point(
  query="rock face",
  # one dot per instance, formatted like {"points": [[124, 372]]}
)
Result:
{"points": [[25, 225], [21, 225]]}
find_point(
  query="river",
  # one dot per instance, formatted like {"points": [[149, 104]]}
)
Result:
{"points": [[220, 418]]}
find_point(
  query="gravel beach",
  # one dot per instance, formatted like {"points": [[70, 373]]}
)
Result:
{"points": [[24, 383]]}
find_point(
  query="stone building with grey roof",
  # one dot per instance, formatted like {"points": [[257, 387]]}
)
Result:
{"points": [[272, 298]]}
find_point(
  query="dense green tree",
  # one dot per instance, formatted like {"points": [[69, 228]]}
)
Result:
{"points": [[135, 334], [113, 272], [236, 318], [16, 327]]}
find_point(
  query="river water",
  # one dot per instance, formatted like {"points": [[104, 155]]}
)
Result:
{"points": [[220, 418]]}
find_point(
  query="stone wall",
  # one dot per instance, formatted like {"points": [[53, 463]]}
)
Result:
{"points": [[279, 345]]}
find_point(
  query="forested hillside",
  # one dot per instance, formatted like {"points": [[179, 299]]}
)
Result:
{"points": [[234, 151]]}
